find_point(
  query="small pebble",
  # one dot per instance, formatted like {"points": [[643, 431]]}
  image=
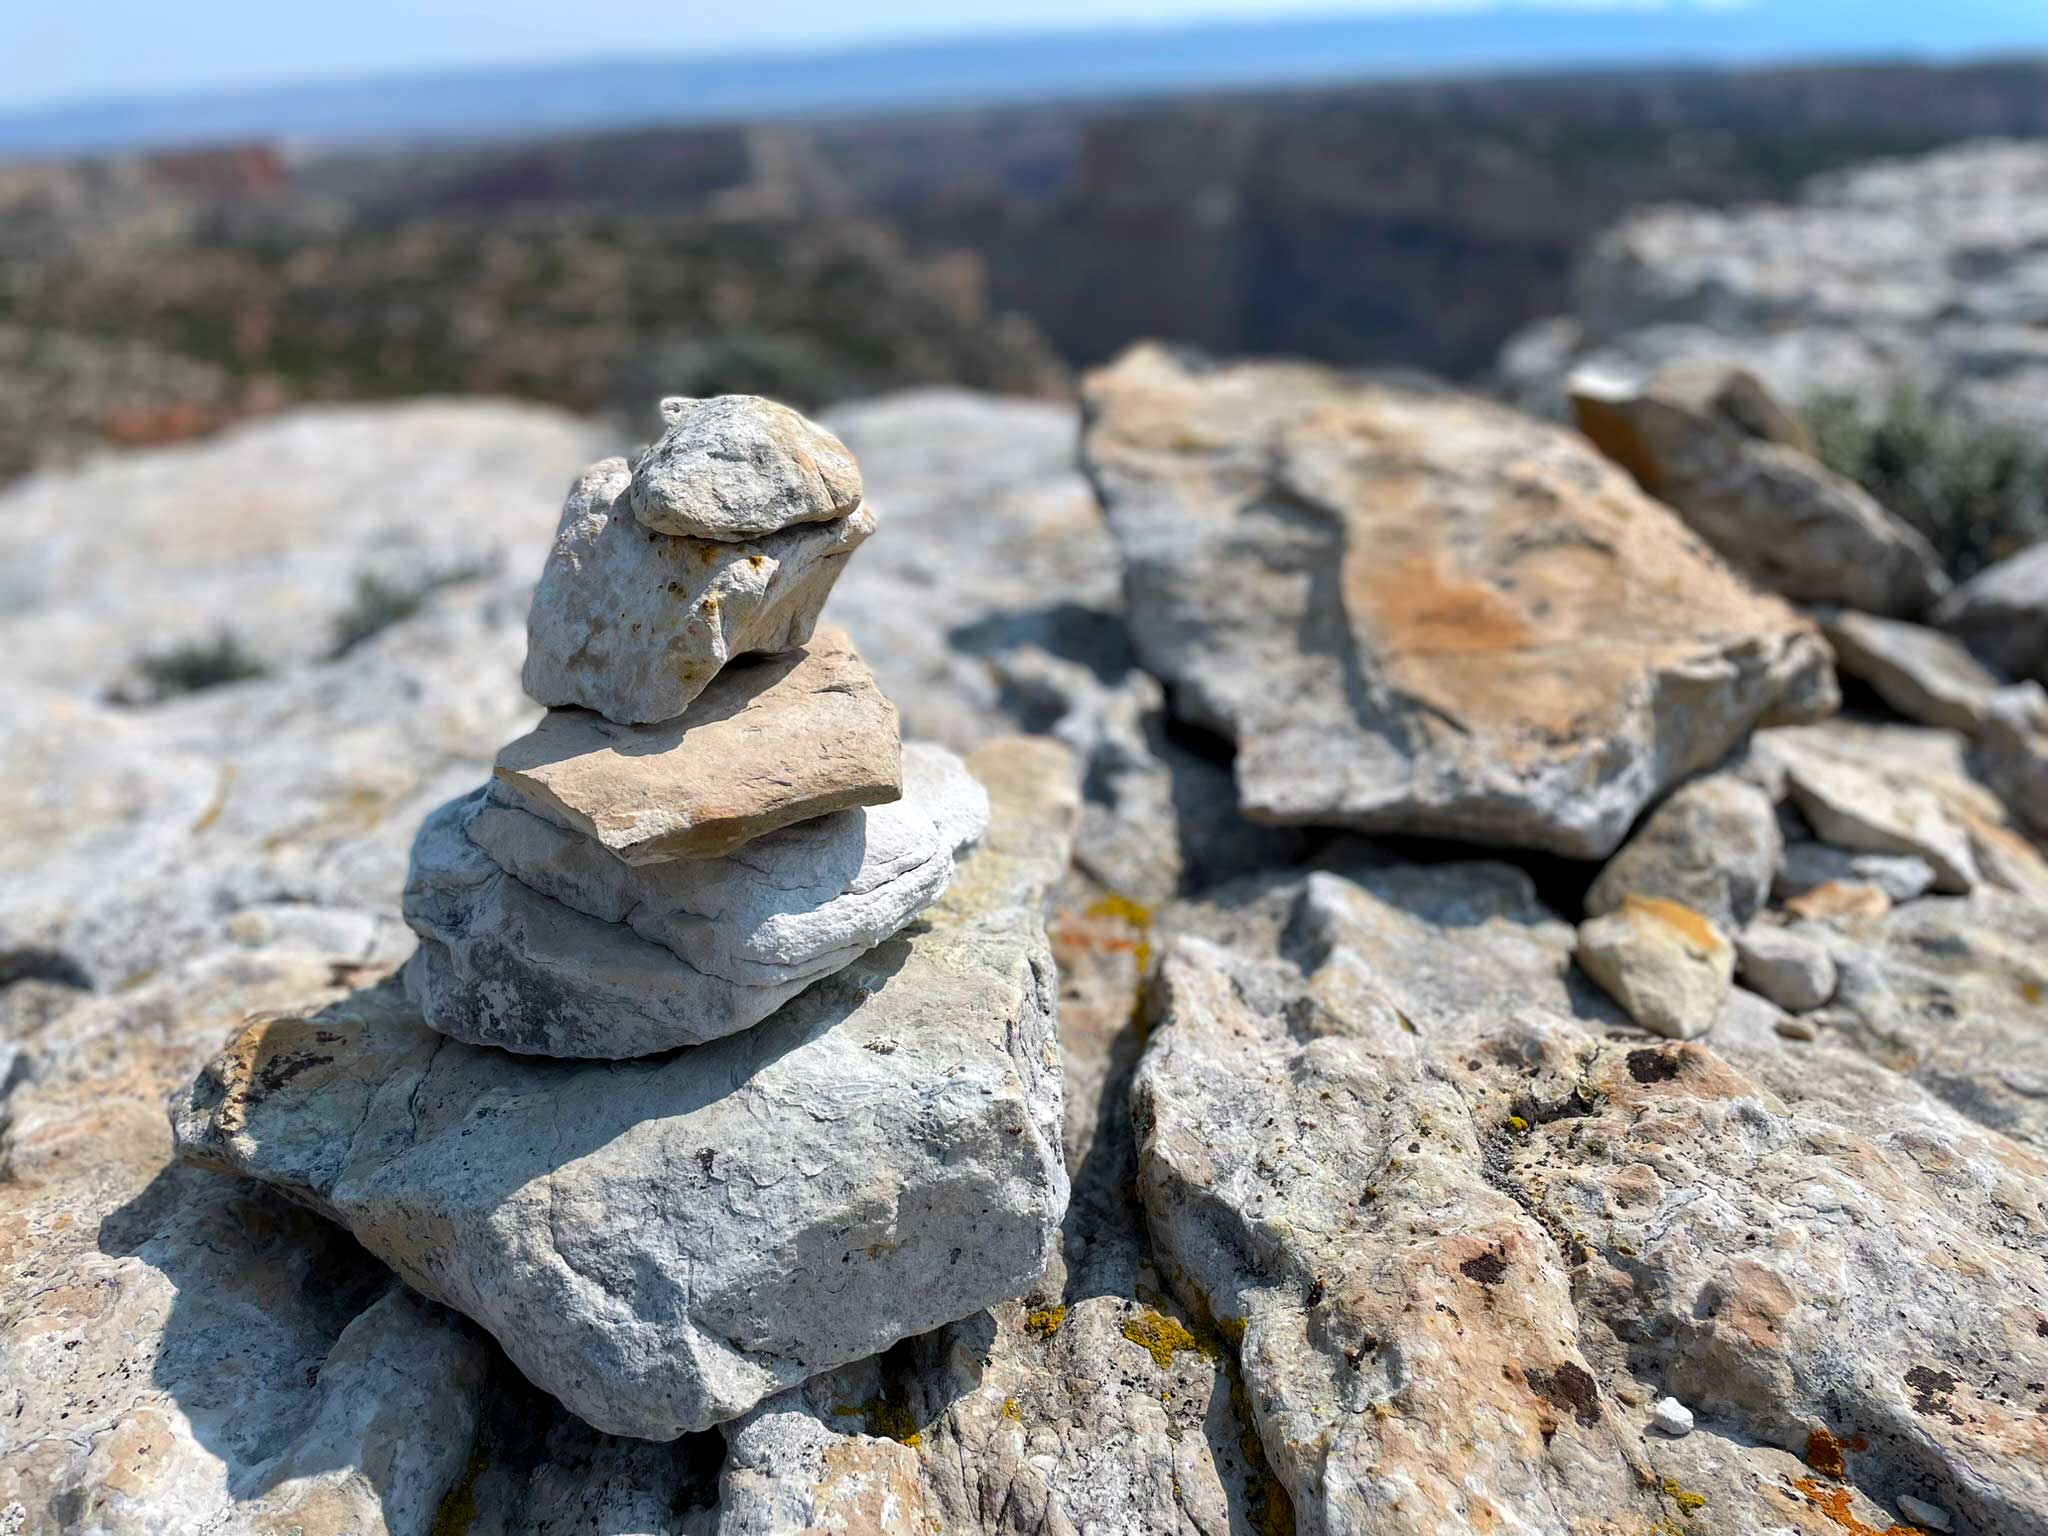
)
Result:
{"points": [[1929, 1517], [1672, 1416], [1797, 1029]]}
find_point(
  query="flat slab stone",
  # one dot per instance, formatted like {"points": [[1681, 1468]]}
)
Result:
{"points": [[1414, 611], [2001, 613], [536, 939], [635, 624], [661, 1244], [1922, 673], [1696, 438], [738, 467], [773, 740]]}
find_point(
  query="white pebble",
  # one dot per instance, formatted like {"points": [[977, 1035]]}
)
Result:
{"points": [[1929, 1517], [1672, 1416]]}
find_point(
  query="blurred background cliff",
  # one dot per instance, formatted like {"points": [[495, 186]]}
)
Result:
{"points": [[239, 211]]}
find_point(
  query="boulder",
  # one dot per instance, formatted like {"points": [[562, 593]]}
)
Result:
{"points": [[635, 624], [740, 467], [1667, 965], [661, 1244], [1413, 611], [2001, 613], [1923, 674], [1689, 436], [1712, 844], [538, 940], [771, 741]]}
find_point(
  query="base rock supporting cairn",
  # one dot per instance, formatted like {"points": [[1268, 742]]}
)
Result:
{"points": [[715, 835]]}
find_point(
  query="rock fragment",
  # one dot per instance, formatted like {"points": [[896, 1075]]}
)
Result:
{"points": [[2014, 748], [1808, 865], [1791, 968], [1712, 844], [1414, 611], [740, 467], [1860, 809], [1668, 965], [1671, 1417], [1922, 673], [772, 740], [1690, 437], [663, 1243], [2001, 613], [1929, 1517], [635, 624]]}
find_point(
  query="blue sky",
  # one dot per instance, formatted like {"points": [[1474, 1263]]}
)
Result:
{"points": [[68, 50]]}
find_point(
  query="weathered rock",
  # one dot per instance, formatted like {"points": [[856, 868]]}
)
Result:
{"points": [[1901, 876], [536, 939], [1672, 1417], [1922, 673], [1351, 1151], [740, 467], [1712, 844], [636, 624], [1861, 809], [1417, 612], [1839, 899], [771, 741], [662, 1244], [182, 1354], [1668, 965], [2014, 743], [1772, 511], [1790, 967], [2001, 613]]}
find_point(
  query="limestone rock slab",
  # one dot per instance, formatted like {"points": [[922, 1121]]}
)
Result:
{"points": [[1776, 514], [1414, 611], [2001, 613], [1925, 675], [773, 740], [663, 1243], [738, 467], [635, 624], [536, 939]]}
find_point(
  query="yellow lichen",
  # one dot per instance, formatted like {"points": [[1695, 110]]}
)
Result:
{"points": [[1138, 915], [458, 1510], [1517, 1124], [1687, 1501], [1011, 1411], [1160, 1336], [1045, 1321], [886, 1420]]}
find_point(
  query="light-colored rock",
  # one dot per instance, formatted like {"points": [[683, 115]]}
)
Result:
{"points": [[771, 741], [2014, 748], [662, 1244], [1712, 844], [1777, 515], [635, 624], [1929, 1517], [1925, 675], [1672, 1418], [1809, 865], [182, 1354], [1920, 273], [1351, 1148], [1791, 968], [1839, 901], [2001, 613], [1858, 808], [740, 467], [1414, 611], [538, 940], [1667, 964]]}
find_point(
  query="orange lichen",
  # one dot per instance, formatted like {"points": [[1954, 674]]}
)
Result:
{"points": [[1836, 1504], [1690, 925]]}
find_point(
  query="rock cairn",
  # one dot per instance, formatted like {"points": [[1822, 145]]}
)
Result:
{"points": [[717, 810]]}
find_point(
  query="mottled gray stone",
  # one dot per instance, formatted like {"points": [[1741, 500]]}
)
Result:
{"points": [[1925, 675], [1901, 876], [1790, 967], [1416, 611], [1711, 844], [2013, 745], [537, 939], [739, 467], [1769, 508], [2001, 613], [635, 624], [661, 1244], [1863, 810]]}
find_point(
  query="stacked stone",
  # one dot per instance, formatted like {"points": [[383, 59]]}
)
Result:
{"points": [[717, 810]]}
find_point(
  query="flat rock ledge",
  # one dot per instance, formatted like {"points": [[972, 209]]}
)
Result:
{"points": [[773, 740], [663, 1243], [1414, 611]]}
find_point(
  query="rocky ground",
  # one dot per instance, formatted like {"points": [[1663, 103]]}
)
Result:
{"points": [[1498, 989]]}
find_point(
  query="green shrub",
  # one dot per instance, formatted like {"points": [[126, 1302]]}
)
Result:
{"points": [[1978, 491], [193, 665]]}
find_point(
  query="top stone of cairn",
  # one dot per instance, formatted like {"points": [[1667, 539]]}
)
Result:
{"points": [[740, 467]]}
